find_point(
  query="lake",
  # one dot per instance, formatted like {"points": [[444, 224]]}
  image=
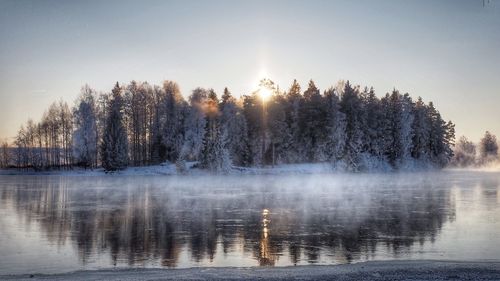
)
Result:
{"points": [[55, 224]]}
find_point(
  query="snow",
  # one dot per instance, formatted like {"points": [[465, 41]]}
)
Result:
{"points": [[307, 168], [168, 168], [385, 270]]}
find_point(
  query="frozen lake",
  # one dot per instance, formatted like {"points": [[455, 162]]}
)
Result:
{"points": [[55, 224]]}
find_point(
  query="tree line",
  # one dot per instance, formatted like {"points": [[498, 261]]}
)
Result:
{"points": [[141, 124], [468, 154]]}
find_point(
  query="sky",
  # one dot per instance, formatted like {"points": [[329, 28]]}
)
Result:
{"points": [[447, 52]]}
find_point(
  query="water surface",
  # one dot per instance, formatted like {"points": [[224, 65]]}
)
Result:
{"points": [[53, 224]]}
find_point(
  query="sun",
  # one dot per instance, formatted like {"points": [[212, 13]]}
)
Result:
{"points": [[264, 93], [263, 85], [266, 89]]}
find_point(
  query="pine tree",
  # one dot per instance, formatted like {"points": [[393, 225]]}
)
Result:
{"points": [[215, 154], [398, 128], [279, 132], [115, 145], [393, 143], [292, 108], [372, 125], [312, 123], [421, 132], [406, 130], [351, 106], [226, 97], [253, 111], [441, 137], [335, 126], [234, 127], [449, 141]]}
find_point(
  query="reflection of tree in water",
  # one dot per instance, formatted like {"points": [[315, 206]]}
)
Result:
{"points": [[151, 222], [489, 192]]}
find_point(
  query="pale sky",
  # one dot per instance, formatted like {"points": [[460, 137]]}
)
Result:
{"points": [[445, 51]]}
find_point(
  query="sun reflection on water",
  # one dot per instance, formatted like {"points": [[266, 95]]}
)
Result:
{"points": [[266, 255]]}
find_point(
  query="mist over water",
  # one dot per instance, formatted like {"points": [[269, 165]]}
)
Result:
{"points": [[51, 224]]}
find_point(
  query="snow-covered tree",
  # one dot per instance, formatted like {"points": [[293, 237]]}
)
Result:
{"points": [[5, 157], [253, 111], [292, 107], [488, 148], [158, 151], [398, 110], [115, 145], [421, 132], [279, 132], [194, 126], [312, 124], [351, 128], [215, 153], [464, 153], [234, 128], [215, 156], [441, 137], [335, 126], [173, 113], [102, 105], [406, 130], [85, 134], [449, 140], [351, 106], [135, 120], [372, 124]]}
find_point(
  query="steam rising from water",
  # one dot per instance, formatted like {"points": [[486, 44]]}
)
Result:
{"points": [[97, 222]]}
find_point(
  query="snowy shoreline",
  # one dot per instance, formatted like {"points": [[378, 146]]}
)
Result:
{"points": [[170, 169], [373, 270]]}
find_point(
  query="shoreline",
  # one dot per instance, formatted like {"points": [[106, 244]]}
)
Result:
{"points": [[372, 270], [169, 169]]}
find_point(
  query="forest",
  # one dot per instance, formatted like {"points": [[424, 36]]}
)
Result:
{"points": [[139, 124]]}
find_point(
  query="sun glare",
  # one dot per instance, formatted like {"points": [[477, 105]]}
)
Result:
{"points": [[264, 93]]}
